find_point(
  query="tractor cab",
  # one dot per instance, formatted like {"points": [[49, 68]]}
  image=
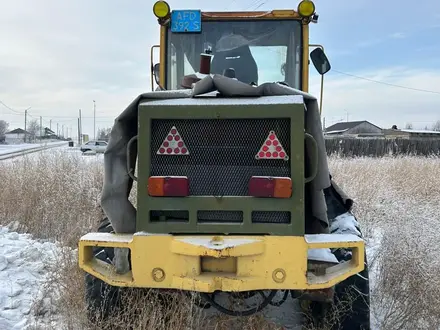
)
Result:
{"points": [[252, 47]]}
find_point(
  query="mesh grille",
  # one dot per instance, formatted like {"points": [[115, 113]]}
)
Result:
{"points": [[222, 153], [271, 217], [220, 216]]}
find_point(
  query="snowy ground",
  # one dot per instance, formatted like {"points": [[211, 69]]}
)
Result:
{"points": [[12, 148], [23, 268], [58, 151]]}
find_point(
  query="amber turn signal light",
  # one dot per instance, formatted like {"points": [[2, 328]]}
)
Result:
{"points": [[265, 186], [168, 186]]}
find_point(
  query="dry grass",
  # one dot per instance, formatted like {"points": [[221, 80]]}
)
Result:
{"points": [[396, 201], [52, 197]]}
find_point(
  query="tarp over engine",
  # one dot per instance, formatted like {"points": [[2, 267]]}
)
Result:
{"points": [[118, 184]]}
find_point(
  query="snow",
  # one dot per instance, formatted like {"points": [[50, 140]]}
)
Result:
{"points": [[324, 255], [345, 223], [144, 233], [331, 238], [12, 148], [104, 237], [419, 131], [9, 148], [205, 101], [23, 269], [336, 132], [56, 153], [89, 153]]}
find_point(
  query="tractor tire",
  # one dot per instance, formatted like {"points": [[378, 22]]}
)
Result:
{"points": [[350, 309], [101, 298], [355, 290]]}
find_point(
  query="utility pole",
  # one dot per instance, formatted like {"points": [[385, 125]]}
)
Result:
{"points": [[79, 134], [25, 123], [62, 130], [41, 127], [94, 120], [80, 127], [50, 124], [58, 131]]}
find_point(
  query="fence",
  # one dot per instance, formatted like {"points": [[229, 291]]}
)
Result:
{"points": [[378, 147]]}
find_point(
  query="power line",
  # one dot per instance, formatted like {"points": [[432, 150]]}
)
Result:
{"points": [[260, 5], [257, 3], [16, 113], [387, 84], [230, 4], [9, 108]]}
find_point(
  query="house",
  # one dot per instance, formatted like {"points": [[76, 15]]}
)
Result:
{"points": [[354, 129], [15, 136], [394, 133]]}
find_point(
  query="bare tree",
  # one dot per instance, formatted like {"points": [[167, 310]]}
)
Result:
{"points": [[409, 126], [104, 133], [33, 129], [3, 128], [436, 126]]}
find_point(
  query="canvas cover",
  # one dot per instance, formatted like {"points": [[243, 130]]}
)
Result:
{"points": [[118, 184]]}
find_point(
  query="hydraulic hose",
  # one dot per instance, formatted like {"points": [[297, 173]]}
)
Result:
{"points": [[248, 312]]}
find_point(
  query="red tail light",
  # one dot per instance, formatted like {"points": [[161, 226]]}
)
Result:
{"points": [[168, 186], [265, 186]]}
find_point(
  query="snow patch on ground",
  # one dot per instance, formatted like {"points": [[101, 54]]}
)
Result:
{"points": [[23, 269], [11, 148]]}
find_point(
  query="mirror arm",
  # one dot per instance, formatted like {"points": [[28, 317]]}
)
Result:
{"points": [[321, 95], [152, 65]]}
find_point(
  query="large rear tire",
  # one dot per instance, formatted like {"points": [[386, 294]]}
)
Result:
{"points": [[101, 298], [355, 290], [350, 309]]}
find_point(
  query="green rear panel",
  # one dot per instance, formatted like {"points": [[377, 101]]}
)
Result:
{"points": [[212, 108]]}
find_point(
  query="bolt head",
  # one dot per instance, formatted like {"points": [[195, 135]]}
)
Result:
{"points": [[158, 274]]}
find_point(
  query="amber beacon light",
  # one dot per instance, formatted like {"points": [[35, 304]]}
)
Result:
{"points": [[306, 8], [161, 9]]}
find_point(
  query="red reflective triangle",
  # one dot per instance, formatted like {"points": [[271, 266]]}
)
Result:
{"points": [[173, 144], [272, 148]]}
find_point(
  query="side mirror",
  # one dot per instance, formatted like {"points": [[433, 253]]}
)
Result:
{"points": [[156, 72], [320, 61]]}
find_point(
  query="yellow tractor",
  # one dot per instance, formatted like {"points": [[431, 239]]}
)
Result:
{"points": [[234, 194]]}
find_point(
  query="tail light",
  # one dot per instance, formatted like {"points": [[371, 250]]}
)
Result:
{"points": [[265, 186], [168, 186]]}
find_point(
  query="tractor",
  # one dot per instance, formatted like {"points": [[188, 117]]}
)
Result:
{"points": [[234, 194]]}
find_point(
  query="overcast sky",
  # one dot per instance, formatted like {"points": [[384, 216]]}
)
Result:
{"points": [[59, 56]]}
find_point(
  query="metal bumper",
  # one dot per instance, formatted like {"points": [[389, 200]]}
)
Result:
{"points": [[225, 263]]}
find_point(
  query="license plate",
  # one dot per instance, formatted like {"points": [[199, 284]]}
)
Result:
{"points": [[186, 21]]}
